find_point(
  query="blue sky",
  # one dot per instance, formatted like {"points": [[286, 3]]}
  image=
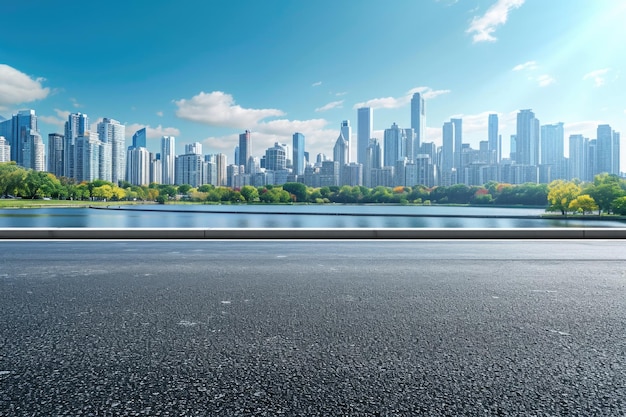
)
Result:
{"points": [[207, 70]]}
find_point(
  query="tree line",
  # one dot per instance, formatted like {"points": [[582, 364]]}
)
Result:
{"points": [[606, 194]]}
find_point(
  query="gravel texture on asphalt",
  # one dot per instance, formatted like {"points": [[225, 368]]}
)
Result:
{"points": [[309, 329]]}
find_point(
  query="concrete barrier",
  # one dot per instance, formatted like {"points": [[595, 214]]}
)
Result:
{"points": [[312, 233]]}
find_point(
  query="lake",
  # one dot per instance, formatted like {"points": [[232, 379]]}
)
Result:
{"points": [[290, 216]]}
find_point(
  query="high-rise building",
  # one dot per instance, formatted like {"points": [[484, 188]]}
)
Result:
{"points": [[364, 132], [114, 133], [87, 148], [244, 148], [341, 149], [458, 143], [138, 166], [55, 154], [494, 139], [189, 169], [32, 150], [221, 162], [193, 148], [394, 145], [552, 149], [5, 150], [605, 150], [168, 155], [409, 151], [298, 153], [447, 149], [577, 156], [77, 125], [140, 138], [346, 131], [275, 158], [527, 138], [418, 122]]}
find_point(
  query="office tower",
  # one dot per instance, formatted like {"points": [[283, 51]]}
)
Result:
{"points": [[140, 138], [244, 148], [364, 132], [373, 161], [6, 131], [114, 133], [552, 149], [577, 156], [409, 151], [221, 161], [527, 138], [494, 139], [346, 131], [15, 131], [340, 150], [155, 168], [447, 149], [5, 150], [298, 153], [168, 155], [189, 169], [275, 158], [87, 148], [138, 167], [418, 122], [605, 150], [193, 148], [513, 148], [32, 150], [77, 125], [55, 154], [458, 143], [394, 145], [616, 153]]}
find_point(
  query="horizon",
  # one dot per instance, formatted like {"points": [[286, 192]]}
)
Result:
{"points": [[208, 79]]}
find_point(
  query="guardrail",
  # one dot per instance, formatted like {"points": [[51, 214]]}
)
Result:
{"points": [[310, 233]]}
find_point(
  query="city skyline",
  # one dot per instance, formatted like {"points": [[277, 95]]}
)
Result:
{"points": [[185, 83]]}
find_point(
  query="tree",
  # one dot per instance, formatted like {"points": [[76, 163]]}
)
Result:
{"points": [[184, 189], [583, 204], [297, 189], [619, 206], [250, 193], [561, 194], [103, 192], [604, 194]]}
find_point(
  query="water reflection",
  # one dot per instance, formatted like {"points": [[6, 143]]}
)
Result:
{"points": [[287, 216]]}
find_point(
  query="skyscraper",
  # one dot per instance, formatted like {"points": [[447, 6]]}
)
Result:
{"points": [[495, 145], [552, 149], [5, 150], [346, 131], [168, 155], [77, 125], [365, 129], [527, 138], [193, 149], [447, 149], [394, 145], [298, 153], [114, 133], [32, 150], [138, 166], [139, 138], [244, 148], [577, 156], [55, 154], [458, 143], [418, 122], [20, 125], [275, 158]]}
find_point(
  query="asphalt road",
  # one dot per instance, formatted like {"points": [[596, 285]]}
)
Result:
{"points": [[312, 328]]}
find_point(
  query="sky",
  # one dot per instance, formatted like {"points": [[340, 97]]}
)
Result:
{"points": [[205, 71]]}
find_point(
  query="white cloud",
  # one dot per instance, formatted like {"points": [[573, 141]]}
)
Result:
{"points": [[151, 132], [342, 93], [75, 103], [331, 105], [545, 80], [219, 109], [316, 84], [598, 76], [17, 87], [483, 27], [528, 65], [159, 113], [395, 102], [58, 120]]}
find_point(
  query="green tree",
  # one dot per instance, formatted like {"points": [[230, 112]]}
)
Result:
{"points": [[103, 192], [298, 190], [184, 189], [250, 193], [604, 193], [619, 206]]}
